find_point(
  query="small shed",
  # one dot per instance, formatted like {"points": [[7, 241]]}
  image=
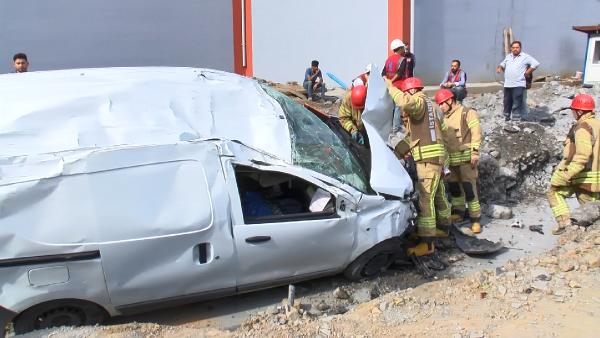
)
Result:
{"points": [[591, 68]]}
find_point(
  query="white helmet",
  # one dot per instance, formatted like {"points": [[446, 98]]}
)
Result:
{"points": [[368, 68], [396, 43], [357, 82]]}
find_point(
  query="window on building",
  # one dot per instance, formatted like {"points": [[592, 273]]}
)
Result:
{"points": [[596, 57]]}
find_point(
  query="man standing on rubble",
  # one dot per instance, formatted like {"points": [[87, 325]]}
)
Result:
{"points": [[516, 66], [398, 67], [462, 136], [313, 80], [350, 113], [428, 151], [579, 171]]}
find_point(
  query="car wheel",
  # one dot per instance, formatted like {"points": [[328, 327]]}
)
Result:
{"points": [[373, 261], [67, 312]]}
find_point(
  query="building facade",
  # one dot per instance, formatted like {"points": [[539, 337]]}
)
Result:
{"points": [[276, 40]]}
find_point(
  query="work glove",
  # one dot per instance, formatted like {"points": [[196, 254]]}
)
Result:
{"points": [[474, 160], [357, 136]]}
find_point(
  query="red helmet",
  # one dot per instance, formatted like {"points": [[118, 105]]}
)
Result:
{"points": [[358, 96], [442, 95], [583, 102], [412, 82]]}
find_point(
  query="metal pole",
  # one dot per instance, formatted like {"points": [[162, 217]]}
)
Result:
{"points": [[291, 296]]}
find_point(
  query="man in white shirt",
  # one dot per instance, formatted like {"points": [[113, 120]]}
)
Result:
{"points": [[516, 66]]}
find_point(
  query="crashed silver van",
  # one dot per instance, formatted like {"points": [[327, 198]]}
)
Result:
{"points": [[125, 189]]}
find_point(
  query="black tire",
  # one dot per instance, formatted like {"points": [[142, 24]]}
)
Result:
{"points": [[64, 312], [374, 261]]}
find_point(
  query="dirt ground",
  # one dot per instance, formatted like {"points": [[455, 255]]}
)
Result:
{"points": [[554, 294]]}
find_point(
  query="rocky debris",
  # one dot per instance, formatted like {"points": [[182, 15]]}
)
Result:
{"points": [[499, 212], [361, 295], [498, 295], [587, 213], [340, 293], [517, 158]]}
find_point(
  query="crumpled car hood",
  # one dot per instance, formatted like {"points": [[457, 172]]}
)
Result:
{"points": [[388, 176]]}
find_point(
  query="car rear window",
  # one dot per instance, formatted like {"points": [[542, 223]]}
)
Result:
{"points": [[316, 147]]}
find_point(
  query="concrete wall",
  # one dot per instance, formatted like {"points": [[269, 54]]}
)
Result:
{"points": [[471, 30], [287, 35], [99, 33]]}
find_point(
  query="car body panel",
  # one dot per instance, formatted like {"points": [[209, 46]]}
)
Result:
{"points": [[145, 179]]}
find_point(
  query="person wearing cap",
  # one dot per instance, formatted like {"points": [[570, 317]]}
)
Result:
{"points": [[579, 170], [398, 67], [313, 80], [425, 142], [362, 79], [455, 80], [350, 113], [462, 137]]}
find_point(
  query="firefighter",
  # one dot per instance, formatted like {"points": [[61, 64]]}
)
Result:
{"points": [[579, 171], [427, 147], [350, 113], [462, 136]]}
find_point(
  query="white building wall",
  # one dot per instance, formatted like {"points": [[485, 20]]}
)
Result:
{"points": [[344, 35], [471, 30], [61, 34]]}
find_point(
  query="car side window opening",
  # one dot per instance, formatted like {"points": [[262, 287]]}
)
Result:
{"points": [[273, 196]]}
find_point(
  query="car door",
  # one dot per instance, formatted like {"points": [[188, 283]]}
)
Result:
{"points": [[165, 231], [278, 248]]}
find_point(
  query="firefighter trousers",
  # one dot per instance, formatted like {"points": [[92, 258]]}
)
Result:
{"points": [[557, 198], [434, 207], [462, 184]]}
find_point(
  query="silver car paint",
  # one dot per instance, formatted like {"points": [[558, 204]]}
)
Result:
{"points": [[139, 204]]}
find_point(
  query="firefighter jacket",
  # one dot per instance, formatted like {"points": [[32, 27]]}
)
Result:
{"points": [[462, 134], [423, 126], [350, 117], [580, 165]]}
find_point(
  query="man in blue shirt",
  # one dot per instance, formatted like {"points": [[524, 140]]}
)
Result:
{"points": [[313, 80], [456, 81], [516, 66]]}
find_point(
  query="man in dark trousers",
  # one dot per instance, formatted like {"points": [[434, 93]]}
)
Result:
{"points": [[516, 67]]}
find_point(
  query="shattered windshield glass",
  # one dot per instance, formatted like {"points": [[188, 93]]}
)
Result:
{"points": [[316, 147]]}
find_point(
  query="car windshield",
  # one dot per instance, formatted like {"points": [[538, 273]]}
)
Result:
{"points": [[316, 147]]}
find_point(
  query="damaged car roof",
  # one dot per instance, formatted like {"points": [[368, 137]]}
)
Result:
{"points": [[83, 109], [53, 111]]}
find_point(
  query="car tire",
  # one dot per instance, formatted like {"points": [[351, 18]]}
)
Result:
{"points": [[374, 261], [64, 312]]}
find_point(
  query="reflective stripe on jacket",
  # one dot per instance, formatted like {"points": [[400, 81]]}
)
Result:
{"points": [[462, 134], [581, 156], [423, 126], [350, 117]]}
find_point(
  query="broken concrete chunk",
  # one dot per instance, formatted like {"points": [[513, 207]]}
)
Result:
{"points": [[340, 293], [499, 212], [593, 261], [587, 213], [362, 295]]}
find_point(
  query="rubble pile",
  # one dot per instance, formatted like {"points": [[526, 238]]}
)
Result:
{"points": [[518, 158], [501, 295]]}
